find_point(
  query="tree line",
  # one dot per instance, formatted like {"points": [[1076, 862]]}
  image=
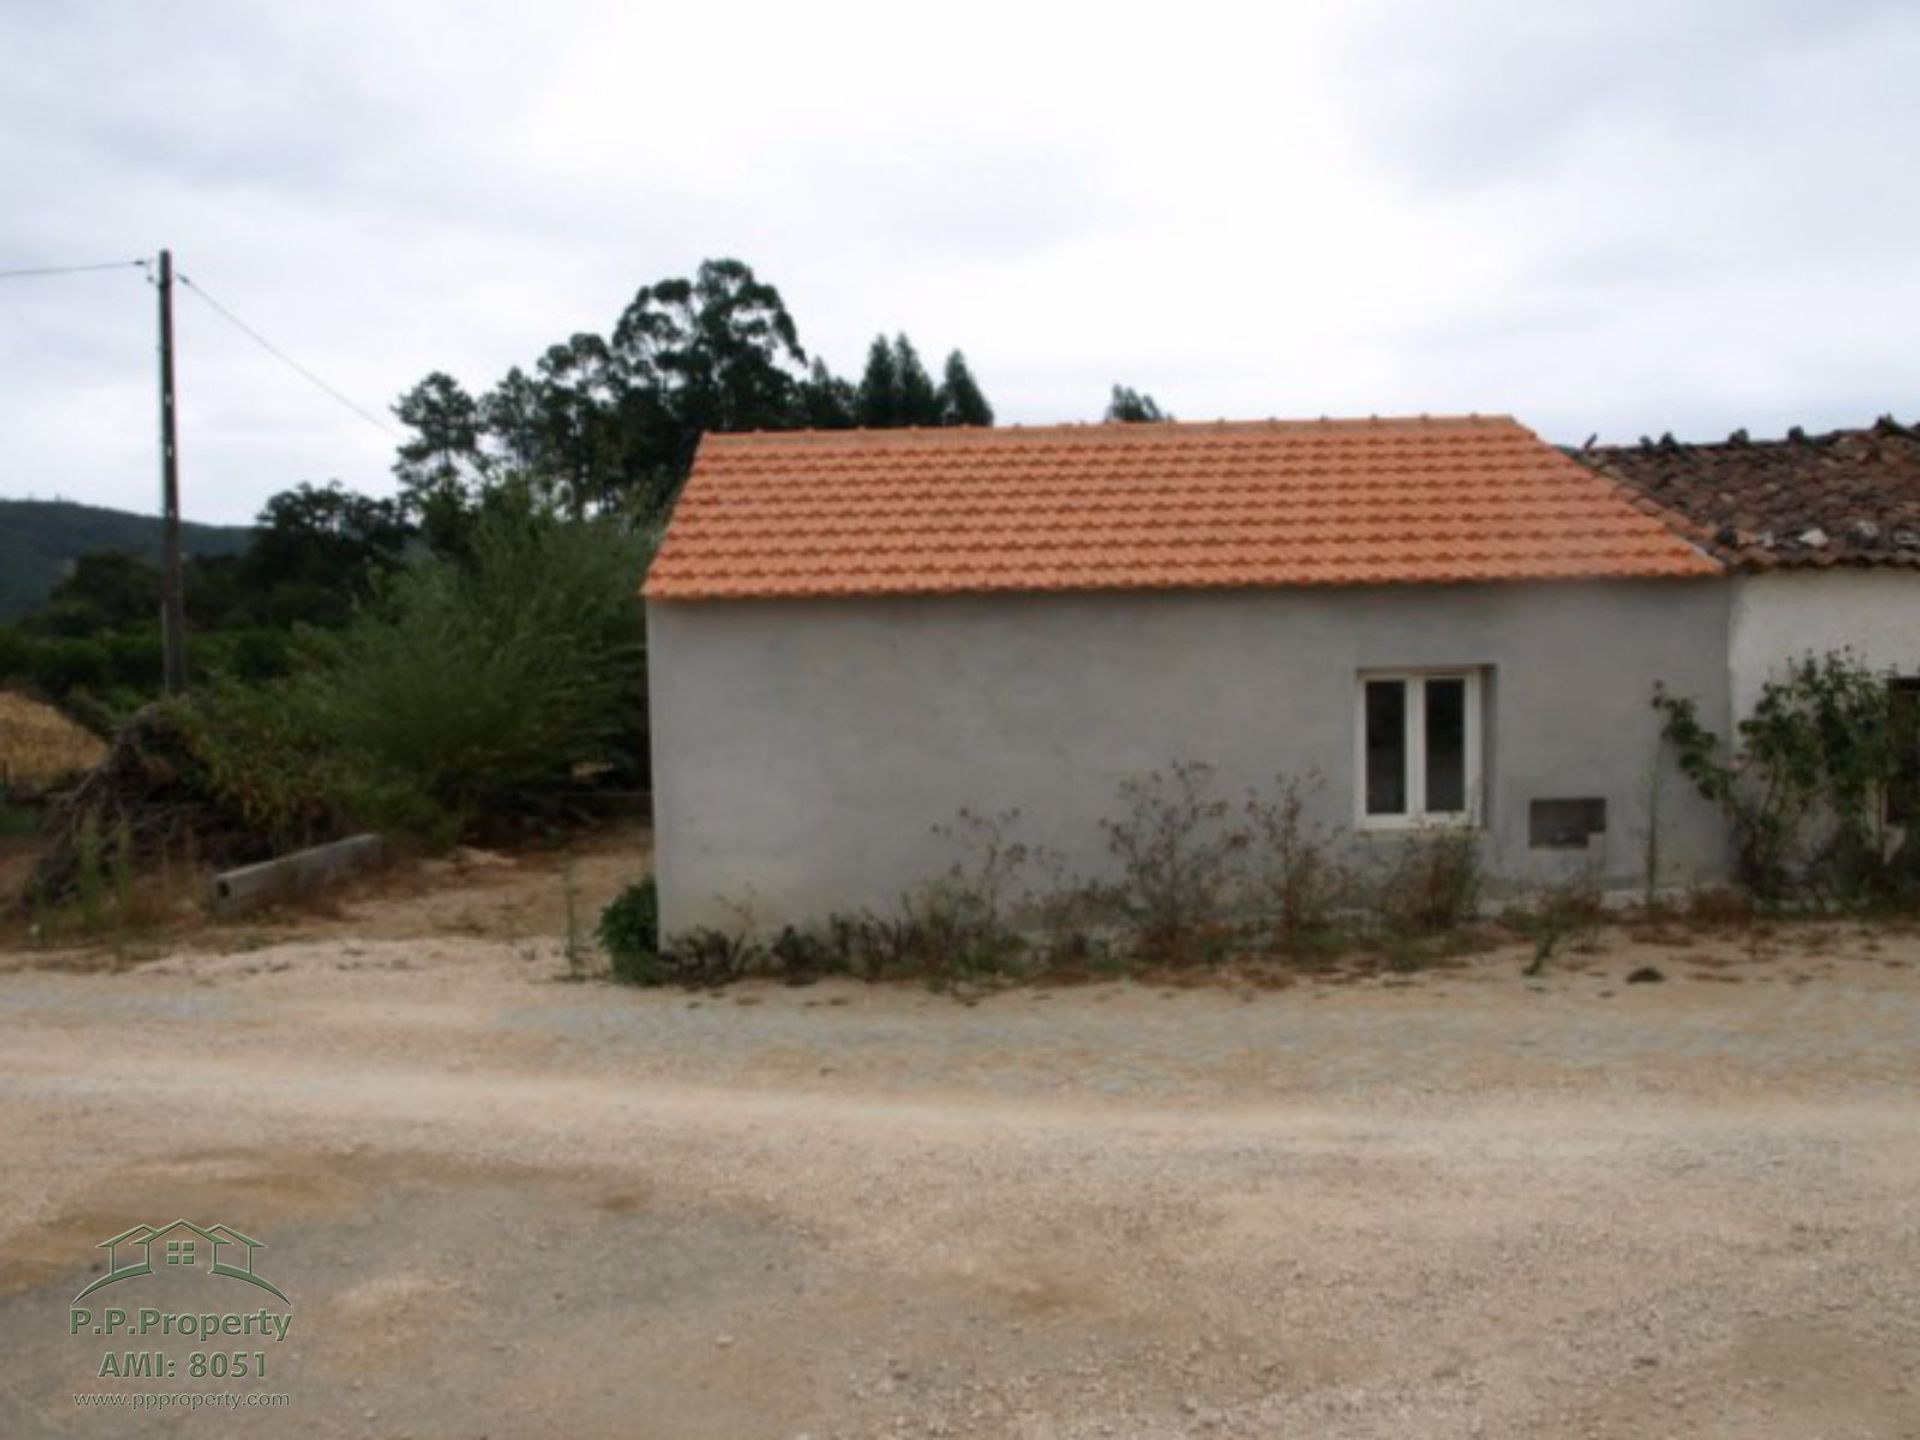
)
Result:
{"points": [[610, 422], [599, 425]]}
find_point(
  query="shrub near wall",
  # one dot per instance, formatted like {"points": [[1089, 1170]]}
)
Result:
{"points": [[630, 931], [1178, 859], [1806, 782], [1200, 883]]}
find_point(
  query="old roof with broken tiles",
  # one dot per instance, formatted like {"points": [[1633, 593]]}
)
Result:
{"points": [[1150, 506], [1848, 497]]}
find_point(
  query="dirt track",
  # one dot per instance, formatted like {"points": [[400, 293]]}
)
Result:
{"points": [[508, 1206]]}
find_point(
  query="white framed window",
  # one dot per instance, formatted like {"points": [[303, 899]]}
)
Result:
{"points": [[1417, 748]]}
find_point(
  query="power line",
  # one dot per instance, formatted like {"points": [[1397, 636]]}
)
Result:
{"points": [[68, 269], [287, 360]]}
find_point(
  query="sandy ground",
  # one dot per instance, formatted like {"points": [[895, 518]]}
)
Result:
{"points": [[504, 1205]]}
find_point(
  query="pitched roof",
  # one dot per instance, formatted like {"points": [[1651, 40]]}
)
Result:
{"points": [[1148, 506], [1851, 497]]}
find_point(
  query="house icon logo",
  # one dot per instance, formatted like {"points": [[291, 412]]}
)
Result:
{"points": [[182, 1245]]}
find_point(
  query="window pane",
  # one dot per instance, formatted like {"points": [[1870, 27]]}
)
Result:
{"points": [[1386, 747], [1446, 746]]}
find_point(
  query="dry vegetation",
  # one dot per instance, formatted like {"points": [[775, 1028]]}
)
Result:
{"points": [[40, 747], [539, 895]]}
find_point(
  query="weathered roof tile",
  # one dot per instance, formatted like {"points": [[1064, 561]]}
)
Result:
{"points": [[1851, 497]]}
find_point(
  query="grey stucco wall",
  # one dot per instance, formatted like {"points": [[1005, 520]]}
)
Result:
{"points": [[803, 751], [1786, 615]]}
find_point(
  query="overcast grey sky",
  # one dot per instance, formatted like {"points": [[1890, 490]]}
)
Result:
{"points": [[1618, 217]]}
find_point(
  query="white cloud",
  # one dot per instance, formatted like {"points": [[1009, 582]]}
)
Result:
{"points": [[1624, 218]]}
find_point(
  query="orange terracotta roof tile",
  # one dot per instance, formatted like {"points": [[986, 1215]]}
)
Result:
{"points": [[1149, 506]]}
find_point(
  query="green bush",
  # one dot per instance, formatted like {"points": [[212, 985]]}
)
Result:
{"points": [[486, 681], [135, 659], [475, 689], [254, 655], [1806, 783], [120, 669], [16, 652], [105, 711], [630, 931], [263, 761], [58, 664]]}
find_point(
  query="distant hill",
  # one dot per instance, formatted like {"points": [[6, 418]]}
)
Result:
{"points": [[39, 539]]}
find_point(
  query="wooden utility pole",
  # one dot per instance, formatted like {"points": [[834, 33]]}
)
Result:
{"points": [[173, 603]]}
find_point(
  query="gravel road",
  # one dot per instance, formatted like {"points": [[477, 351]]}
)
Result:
{"points": [[1461, 1204]]}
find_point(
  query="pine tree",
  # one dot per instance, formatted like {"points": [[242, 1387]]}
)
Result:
{"points": [[915, 399], [878, 398], [1129, 406], [961, 402], [440, 464], [446, 425]]}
